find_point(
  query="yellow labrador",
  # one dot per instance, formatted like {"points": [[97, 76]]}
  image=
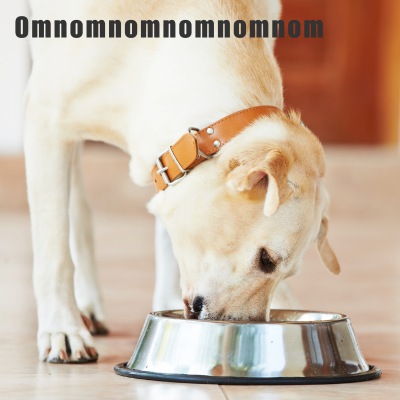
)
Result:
{"points": [[238, 222]]}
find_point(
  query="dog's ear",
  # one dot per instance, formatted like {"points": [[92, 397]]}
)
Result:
{"points": [[268, 164], [324, 249]]}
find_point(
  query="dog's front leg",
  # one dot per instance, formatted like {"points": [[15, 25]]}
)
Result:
{"points": [[62, 335], [167, 291], [86, 284]]}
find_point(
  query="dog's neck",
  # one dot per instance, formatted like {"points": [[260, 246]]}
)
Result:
{"points": [[199, 95]]}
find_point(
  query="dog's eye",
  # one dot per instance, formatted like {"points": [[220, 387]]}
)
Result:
{"points": [[266, 264]]}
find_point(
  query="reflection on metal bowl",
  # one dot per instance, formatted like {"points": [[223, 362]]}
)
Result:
{"points": [[294, 347]]}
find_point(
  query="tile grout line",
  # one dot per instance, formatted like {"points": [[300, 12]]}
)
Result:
{"points": [[223, 392]]}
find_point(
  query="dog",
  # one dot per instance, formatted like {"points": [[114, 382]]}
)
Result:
{"points": [[231, 230]]}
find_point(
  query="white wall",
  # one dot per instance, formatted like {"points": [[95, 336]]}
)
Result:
{"points": [[14, 71]]}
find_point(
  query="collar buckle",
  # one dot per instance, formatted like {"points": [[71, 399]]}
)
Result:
{"points": [[162, 169]]}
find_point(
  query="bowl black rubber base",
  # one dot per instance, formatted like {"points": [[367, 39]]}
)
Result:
{"points": [[121, 369]]}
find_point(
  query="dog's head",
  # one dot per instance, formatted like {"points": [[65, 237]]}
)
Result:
{"points": [[241, 222]]}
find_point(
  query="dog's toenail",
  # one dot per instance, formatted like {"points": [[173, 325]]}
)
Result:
{"points": [[78, 355], [92, 352], [61, 354], [86, 321]]}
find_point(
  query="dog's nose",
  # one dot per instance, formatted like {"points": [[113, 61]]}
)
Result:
{"points": [[198, 304]]}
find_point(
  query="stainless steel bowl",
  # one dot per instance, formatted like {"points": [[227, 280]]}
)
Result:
{"points": [[294, 347]]}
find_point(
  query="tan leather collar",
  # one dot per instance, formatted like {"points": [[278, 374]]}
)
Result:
{"points": [[191, 149]]}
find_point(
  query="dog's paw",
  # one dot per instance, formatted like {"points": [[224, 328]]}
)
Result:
{"points": [[91, 307], [62, 348], [96, 328]]}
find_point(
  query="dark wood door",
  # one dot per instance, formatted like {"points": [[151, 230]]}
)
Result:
{"points": [[345, 84]]}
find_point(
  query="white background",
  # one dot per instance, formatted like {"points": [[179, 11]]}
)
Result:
{"points": [[14, 72]]}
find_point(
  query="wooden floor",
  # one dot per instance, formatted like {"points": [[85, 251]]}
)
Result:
{"points": [[365, 233]]}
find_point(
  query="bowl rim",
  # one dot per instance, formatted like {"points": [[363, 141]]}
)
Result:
{"points": [[123, 370], [342, 317]]}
